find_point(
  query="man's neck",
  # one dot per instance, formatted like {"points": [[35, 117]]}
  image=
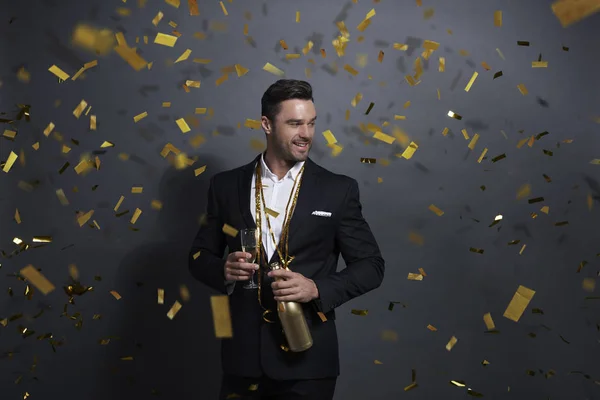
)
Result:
{"points": [[277, 166]]}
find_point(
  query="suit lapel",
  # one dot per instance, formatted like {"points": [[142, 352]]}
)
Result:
{"points": [[308, 192], [244, 188]]}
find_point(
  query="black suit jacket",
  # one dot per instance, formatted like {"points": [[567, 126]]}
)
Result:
{"points": [[316, 242]]}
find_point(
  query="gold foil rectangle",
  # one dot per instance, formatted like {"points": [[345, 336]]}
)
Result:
{"points": [[519, 303], [183, 126], [165, 40], [37, 279], [221, 316], [174, 310], [489, 322]]}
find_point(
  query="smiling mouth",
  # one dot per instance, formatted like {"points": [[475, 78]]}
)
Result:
{"points": [[301, 144]]}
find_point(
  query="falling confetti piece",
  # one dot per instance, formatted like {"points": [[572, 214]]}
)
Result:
{"points": [[221, 316], [174, 310], [115, 294], [165, 40], [273, 69], [37, 279], [62, 75], [519, 303], [572, 11], [451, 343]]}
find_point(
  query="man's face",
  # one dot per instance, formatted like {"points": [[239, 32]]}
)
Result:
{"points": [[292, 132]]}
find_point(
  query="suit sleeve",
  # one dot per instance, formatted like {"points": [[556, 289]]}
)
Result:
{"points": [[206, 262], [364, 264]]}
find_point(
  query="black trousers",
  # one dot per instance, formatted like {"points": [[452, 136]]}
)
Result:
{"points": [[264, 388]]}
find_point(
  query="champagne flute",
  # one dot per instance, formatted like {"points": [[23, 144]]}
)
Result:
{"points": [[249, 241]]}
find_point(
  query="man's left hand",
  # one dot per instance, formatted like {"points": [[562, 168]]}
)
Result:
{"points": [[293, 287]]}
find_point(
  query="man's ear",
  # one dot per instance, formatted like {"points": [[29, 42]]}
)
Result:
{"points": [[266, 125]]}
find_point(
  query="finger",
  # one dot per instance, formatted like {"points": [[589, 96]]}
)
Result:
{"points": [[284, 284], [239, 272], [244, 266], [281, 273], [284, 292], [238, 278], [238, 255], [290, 297]]}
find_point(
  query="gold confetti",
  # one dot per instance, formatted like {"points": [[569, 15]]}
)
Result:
{"points": [[442, 64], [193, 84], [432, 328], [524, 191], [379, 57], [137, 189], [414, 277], [79, 109], [229, 230], [165, 40], [468, 87], [498, 18], [252, 124], [409, 151], [241, 71], [329, 137], [17, 216], [221, 79], [132, 58], [473, 141], [59, 72], [428, 13], [451, 343], [384, 137], [569, 12], [49, 129], [83, 218], [273, 69], [174, 3], [115, 294], [519, 303], [589, 284], [356, 99], [157, 18], [12, 157], [184, 56], [183, 126], [174, 310], [454, 115], [37, 279], [400, 46], [139, 117], [223, 8], [135, 216], [489, 322], [98, 41], [93, 123], [193, 7], [361, 313], [199, 171], [221, 316], [161, 296], [156, 204], [351, 70], [539, 64], [436, 210], [184, 292], [522, 88], [62, 198]]}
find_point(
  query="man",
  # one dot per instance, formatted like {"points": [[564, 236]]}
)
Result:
{"points": [[305, 214]]}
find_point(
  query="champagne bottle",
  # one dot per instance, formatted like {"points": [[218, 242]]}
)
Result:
{"points": [[293, 321]]}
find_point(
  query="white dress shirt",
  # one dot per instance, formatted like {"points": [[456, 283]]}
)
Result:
{"points": [[277, 193]]}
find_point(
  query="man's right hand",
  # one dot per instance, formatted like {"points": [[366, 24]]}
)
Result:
{"points": [[237, 268]]}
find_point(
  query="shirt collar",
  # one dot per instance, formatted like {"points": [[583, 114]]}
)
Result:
{"points": [[291, 174]]}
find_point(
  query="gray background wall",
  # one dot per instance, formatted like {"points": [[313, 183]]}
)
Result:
{"points": [[181, 357]]}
